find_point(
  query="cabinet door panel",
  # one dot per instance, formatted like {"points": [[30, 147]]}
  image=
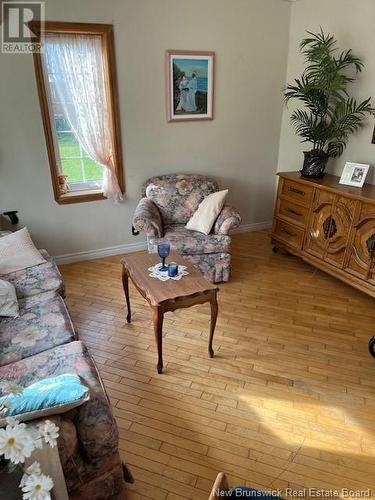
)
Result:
{"points": [[343, 218], [330, 226], [320, 222], [361, 260]]}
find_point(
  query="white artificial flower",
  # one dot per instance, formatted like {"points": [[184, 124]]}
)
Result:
{"points": [[23, 480], [16, 444], [4, 407], [38, 442], [50, 432], [36, 436], [33, 469], [12, 421], [37, 487]]}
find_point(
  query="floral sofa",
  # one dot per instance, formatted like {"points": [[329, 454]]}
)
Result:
{"points": [[41, 343], [168, 202]]}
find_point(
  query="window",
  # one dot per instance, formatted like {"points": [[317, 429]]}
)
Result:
{"points": [[76, 82], [82, 172]]}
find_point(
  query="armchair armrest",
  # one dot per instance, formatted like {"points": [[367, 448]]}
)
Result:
{"points": [[227, 220], [147, 218]]}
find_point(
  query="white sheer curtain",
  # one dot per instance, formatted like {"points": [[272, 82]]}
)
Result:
{"points": [[74, 62]]}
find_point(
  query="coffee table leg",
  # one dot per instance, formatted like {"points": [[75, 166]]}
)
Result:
{"points": [[157, 319], [214, 311], [125, 284]]}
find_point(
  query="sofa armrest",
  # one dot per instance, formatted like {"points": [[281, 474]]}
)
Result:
{"points": [[147, 218], [227, 220]]}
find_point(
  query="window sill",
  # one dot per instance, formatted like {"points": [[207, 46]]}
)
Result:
{"points": [[80, 196]]}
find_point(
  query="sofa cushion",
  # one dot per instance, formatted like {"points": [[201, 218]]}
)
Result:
{"points": [[43, 323], [18, 252], [8, 300], [37, 279], [186, 241], [88, 448], [178, 195]]}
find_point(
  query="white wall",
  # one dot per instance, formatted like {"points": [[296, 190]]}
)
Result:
{"points": [[239, 147], [352, 23]]}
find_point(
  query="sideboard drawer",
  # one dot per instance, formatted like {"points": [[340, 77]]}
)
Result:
{"points": [[298, 191], [288, 233], [290, 210]]}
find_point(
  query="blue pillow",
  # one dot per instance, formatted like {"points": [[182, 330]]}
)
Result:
{"points": [[49, 396]]}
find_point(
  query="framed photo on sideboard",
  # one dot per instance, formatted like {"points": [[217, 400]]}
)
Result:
{"points": [[354, 174]]}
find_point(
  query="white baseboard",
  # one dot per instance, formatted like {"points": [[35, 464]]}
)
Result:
{"points": [[69, 258], [256, 226]]}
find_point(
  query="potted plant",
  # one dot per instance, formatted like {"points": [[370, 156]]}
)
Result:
{"points": [[330, 114]]}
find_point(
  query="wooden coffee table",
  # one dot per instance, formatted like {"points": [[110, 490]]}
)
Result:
{"points": [[164, 296]]}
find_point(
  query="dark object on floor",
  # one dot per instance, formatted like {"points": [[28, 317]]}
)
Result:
{"points": [[371, 346], [128, 476]]}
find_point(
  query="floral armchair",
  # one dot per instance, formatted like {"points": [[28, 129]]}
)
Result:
{"points": [[168, 202]]}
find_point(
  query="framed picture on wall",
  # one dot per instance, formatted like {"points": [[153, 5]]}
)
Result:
{"points": [[189, 77], [354, 174]]}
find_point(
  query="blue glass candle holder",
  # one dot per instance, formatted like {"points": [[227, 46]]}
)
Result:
{"points": [[173, 269], [164, 249]]}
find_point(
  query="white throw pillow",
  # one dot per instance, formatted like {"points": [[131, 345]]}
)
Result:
{"points": [[17, 251], [8, 300], [207, 212]]}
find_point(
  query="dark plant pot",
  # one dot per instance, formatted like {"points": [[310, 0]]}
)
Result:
{"points": [[314, 164]]}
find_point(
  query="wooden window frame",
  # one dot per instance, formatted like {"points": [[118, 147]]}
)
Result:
{"points": [[110, 77]]}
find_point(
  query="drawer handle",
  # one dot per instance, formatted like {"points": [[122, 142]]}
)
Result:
{"points": [[294, 212], [289, 233], [370, 243], [297, 191]]}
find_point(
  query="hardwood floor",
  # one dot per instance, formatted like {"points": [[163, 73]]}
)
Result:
{"points": [[288, 400]]}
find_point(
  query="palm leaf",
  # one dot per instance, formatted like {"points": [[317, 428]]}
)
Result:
{"points": [[329, 115]]}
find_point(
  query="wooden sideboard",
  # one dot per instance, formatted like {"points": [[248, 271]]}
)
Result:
{"points": [[329, 225]]}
